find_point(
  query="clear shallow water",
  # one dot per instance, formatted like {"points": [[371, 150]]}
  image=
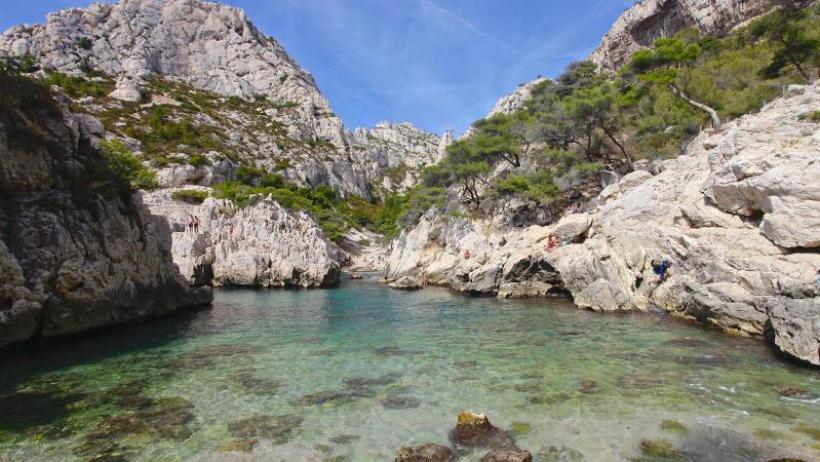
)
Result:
{"points": [[356, 372]]}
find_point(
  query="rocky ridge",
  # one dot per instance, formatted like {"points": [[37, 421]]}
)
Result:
{"points": [[647, 20], [77, 252], [736, 216]]}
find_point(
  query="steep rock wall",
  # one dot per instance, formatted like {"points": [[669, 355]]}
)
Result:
{"points": [[261, 245], [76, 251]]}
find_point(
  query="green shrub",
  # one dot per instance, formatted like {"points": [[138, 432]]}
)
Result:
{"points": [[126, 166], [85, 43], [811, 116], [79, 87], [198, 160], [538, 186], [282, 164], [190, 196]]}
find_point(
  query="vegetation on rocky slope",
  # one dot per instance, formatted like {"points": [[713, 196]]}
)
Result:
{"points": [[585, 121]]}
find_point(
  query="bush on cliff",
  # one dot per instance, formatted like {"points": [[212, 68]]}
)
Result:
{"points": [[126, 166]]}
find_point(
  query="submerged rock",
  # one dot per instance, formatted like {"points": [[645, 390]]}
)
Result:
{"points": [[344, 439], [326, 397], [252, 383], [387, 379], [425, 453], [507, 455], [558, 454], [401, 402], [476, 431], [661, 449], [277, 428]]}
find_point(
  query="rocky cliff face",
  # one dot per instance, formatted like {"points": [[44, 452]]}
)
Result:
{"points": [[76, 251], [210, 46], [262, 245], [144, 44], [394, 154], [737, 217], [647, 20]]}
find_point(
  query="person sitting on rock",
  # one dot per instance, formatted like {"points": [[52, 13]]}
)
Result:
{"points": [[466, 254]]}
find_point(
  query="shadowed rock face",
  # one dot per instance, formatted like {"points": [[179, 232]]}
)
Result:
{"points": [[647, 20], [76, 251], [737, 216]]}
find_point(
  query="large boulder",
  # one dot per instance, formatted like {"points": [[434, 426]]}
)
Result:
{"points": [[475, 431], [796, 327], [507, 455]]}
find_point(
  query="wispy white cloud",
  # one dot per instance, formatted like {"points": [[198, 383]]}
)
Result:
{"points": [[459, 20]]}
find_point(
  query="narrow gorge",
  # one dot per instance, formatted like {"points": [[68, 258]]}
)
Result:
{"points": [[199, 261]]}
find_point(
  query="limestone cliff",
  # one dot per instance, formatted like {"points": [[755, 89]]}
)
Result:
{"points": [[77, 252], [197, 93], [394, 154], [261, 245], [737, 216], [179, 54], [647, 20]]}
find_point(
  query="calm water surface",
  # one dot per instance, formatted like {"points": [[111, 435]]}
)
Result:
{"points": [[356, 372]]}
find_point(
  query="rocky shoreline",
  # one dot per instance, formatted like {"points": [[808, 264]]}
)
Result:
{"points": [[741, 241]]}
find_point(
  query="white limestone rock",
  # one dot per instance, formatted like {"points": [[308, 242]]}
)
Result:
{"points": [[647, 20], [261, 245]]}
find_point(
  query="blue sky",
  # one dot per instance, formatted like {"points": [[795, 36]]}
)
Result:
{"points": [[436, 63]]}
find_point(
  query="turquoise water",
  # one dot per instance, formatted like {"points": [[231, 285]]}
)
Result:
{"points": [[356, 372]]}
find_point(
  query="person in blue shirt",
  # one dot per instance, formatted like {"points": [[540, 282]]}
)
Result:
{"points": [[661, 269]]}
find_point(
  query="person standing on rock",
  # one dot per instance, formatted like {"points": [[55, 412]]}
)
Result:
{"points": [[190, 224], [196, 225]]}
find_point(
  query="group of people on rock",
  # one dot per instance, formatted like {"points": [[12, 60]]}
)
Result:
{"points": [[193, 224]]}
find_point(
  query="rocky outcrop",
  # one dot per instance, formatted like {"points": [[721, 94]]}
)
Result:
{"points": [[735, 216], [261, 245], [515, 101], [647, 20], [394, 154], [474, 431], [76, 251]]}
